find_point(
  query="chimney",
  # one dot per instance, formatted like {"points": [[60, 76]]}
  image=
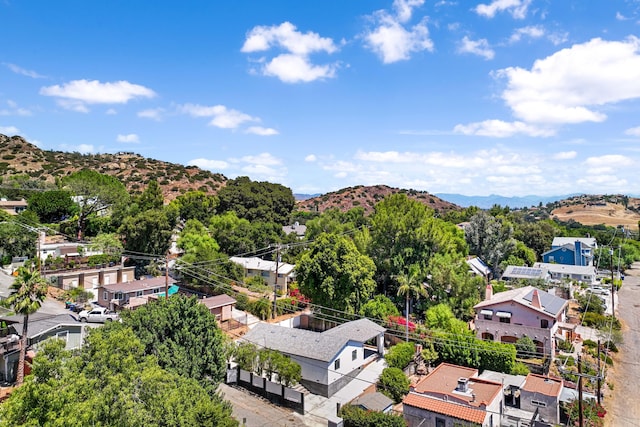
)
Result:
{"points": [[463, 385], [488, 293], [535, 299]]}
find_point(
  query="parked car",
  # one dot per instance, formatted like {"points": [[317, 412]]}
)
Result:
{"points": [[98, 315]]}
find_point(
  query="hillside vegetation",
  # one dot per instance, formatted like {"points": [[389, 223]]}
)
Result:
{"points": [[21, 161], [612, 211]]}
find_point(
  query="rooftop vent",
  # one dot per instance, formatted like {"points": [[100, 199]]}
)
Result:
{"points": [[463, 385]]}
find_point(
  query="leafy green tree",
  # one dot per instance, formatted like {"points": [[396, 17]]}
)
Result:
{"points": [[393, 383], [246, 356], [354, 416], [233, 234], [196, 205], [526, 348], [111, 382], [334, 274], [490, 239], [15, 240], [334, 221], [151, 197], [107, 243], [149, 232], [95, 191], [410, 286], [400, 355], [440, 317], [289, 372], [261, 308], [380, 307], [536, 235], [261, 201], [51, 206], [27, 293], [183, 335]]}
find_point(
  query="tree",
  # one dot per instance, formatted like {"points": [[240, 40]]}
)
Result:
{"points": [[95, 191], [400, 355], [440, 317], [151, 197], [490, 239], [526, 348], [261, 201], [196, 205], [183, 335], [334, 274], [149, 232], [410, 286], [380, 307], [110, 382], [28, 292], [51, 206], [107, 243], [393, 383], [355, 416]]}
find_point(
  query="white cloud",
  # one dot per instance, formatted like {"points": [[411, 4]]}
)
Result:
{"points": [[221, 116], [565, 155], [209, 164], [82, 148], [502, 129], [532, 32], [14, 110], [19, 70], [621, 17], [633, 131], [129, 138], [294, 65], [310, 158], [391, 39], [569, 86], [111, 112], [76, 94], [296, 69], [262, 131], [477, 47], [609, 160], [153, 113], [517, 8], [264, 159], [9, 130]]}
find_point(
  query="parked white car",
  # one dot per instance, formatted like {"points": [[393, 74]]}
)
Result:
{"points": [[98, 315]]}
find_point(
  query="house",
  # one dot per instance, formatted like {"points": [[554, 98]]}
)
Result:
{"points": [[13, 207], [478, 267], [42, 327], [515, 272], [255, 266], [571, 251], [542, 393], [328, 360], [90, 278], [375, 401], [528, 311], [220, 305], [453, 395], [298, 229], [118, 295], [578, 273]]}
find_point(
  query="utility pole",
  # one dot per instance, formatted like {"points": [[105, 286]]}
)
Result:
{"points": [[275, 286], [613, 286], [580, 416], [599, 378], [166, 276]]}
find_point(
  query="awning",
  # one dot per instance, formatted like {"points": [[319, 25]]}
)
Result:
{"points": [[173, 289], [503, 314], [486, 312]]}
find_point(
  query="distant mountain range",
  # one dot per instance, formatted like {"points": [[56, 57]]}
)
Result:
{"points": [[486, 202]]}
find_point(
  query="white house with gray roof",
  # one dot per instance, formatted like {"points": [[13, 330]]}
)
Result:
{"points": [[528, 311], [560, 272], [254, 266], [329, 359]]}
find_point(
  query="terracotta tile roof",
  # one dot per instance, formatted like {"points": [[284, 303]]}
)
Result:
{"points": [[444, 379], [549, 386], [438, 406]]}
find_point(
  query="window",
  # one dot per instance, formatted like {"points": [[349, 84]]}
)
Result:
{"points": [[336, 365], [440, 422], [488, 316], [105, 295], [544, 323], [138, 293], [118, 295], [539, 403], [156, 290], [124, 277], [265, 274], [505, 320], [354, 354], [64, 335], [551, 259]]}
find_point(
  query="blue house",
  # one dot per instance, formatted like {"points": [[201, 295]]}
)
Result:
{"points": [[571, 251]]}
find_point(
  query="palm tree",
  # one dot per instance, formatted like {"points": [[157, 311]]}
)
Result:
{"points": [[410, 285], [28, 291]]}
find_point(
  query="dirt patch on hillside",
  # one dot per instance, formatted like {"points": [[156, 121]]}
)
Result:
{"points": [[591, 214]]}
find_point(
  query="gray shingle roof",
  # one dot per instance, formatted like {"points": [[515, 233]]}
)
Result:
{"points": [[322, 346], [551, 304]]}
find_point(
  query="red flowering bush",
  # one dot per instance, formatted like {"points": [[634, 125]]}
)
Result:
{"points": [[400, 323]]}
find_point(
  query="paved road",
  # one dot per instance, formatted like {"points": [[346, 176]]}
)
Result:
{"points": [[624, 408]]}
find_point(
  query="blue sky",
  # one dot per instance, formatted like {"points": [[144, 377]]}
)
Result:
{"points": [[509, 97]]}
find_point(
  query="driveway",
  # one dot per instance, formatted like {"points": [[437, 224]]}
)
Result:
{"points": [[624, 407]]}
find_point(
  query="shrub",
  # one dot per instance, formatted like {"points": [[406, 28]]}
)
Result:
{"points": [[354, 416], [589, 343], [393, 383], [400, 355], [520, 369]]}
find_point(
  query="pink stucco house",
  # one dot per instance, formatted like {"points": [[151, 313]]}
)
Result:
{"points": [[528, 311]]}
